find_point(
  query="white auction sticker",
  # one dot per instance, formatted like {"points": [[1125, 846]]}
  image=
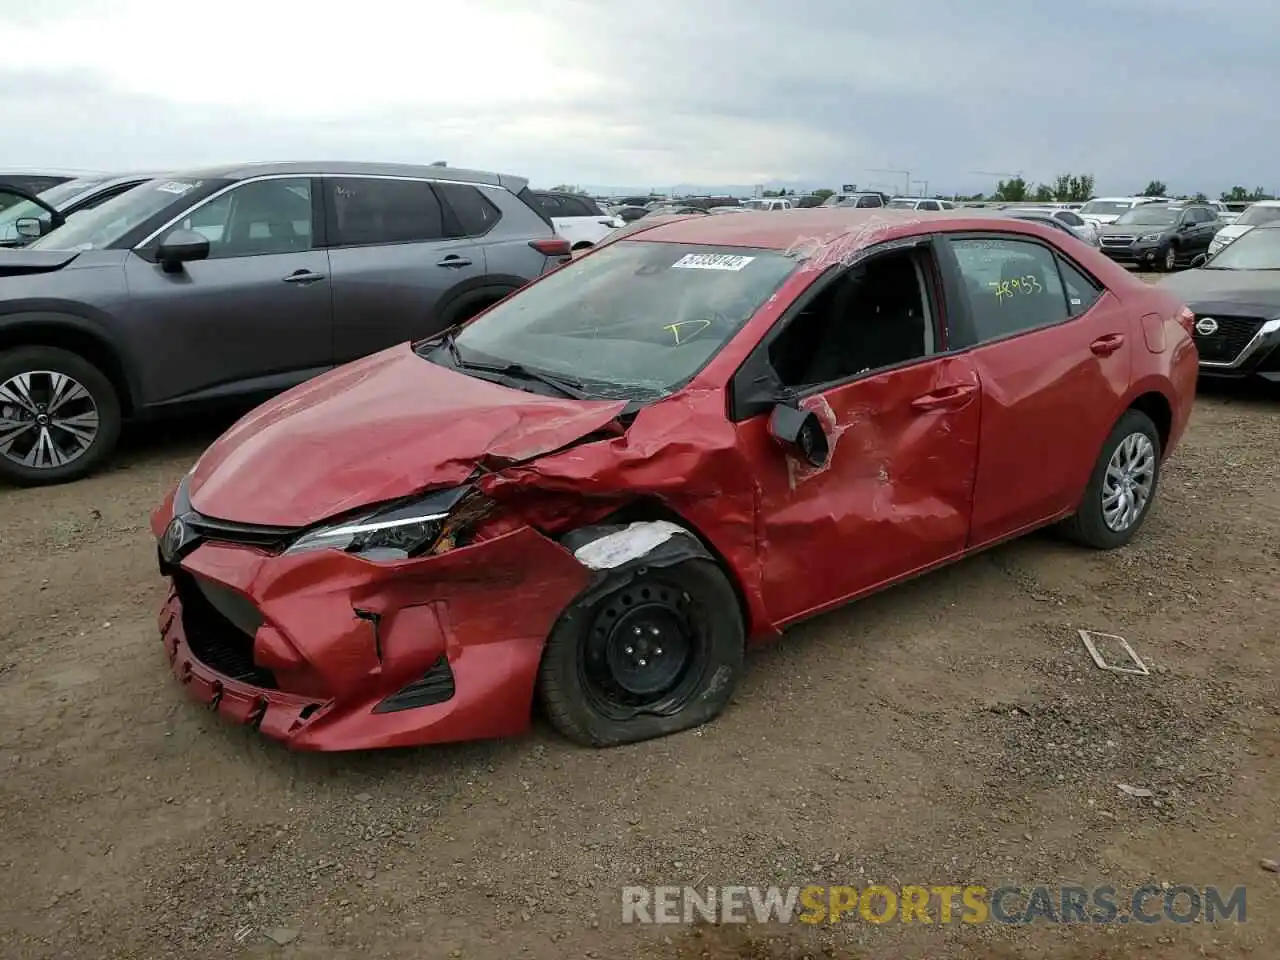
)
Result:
{"points": [[176, 186], [712, 261]]}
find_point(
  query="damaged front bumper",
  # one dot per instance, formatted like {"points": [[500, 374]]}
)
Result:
{"points": [[328, 651]]}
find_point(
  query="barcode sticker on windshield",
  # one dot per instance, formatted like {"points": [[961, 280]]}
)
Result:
{"points": [[712, 261], [176, 186]]}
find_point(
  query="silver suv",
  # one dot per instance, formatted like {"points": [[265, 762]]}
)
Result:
{"points": [[227, 285]]}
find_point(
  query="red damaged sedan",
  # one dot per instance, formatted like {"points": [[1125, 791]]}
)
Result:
{"points": [[599, 492]]}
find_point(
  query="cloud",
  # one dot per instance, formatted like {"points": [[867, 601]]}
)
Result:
{"points": [[657, 92]]}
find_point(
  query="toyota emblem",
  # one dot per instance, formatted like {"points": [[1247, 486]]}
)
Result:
{"points": [[1206, 326], [171, 542]]}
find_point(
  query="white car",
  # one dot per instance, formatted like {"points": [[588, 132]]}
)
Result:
{"points": [[767, 203], [1086, 230], [1104, 210], [576, 217], [1225, 213], [1264, 211], [919, 203]]}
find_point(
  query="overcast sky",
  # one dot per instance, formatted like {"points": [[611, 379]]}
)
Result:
{"points": [[643, 93]]}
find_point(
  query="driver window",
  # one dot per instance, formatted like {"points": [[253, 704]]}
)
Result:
{"points": [[874, 316], [257, 218]]}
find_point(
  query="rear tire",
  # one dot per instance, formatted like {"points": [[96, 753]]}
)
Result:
{"points": [[657, 651], [59, 416], [1126, 477]]}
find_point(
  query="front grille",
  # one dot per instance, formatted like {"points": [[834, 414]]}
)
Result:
{"points": [[220, 626], [1232, 336], [272, 539], [1118, 241]]}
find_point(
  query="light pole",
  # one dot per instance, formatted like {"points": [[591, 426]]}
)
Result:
{"points": [[924, 187], [905, 174]]}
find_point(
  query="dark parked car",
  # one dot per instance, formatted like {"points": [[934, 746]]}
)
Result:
{"points": [[599, 494], [30, 216], [630, 212], [1160, 235], [1235, 296], [229, 284], [34, 181]]}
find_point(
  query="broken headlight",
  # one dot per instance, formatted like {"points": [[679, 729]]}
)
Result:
{"points": [[394, 532]]}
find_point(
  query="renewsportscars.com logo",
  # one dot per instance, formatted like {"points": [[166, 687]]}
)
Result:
{"points": [[970, 904]]}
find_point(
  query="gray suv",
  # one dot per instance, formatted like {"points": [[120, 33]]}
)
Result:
{"points": [[227, 285]]}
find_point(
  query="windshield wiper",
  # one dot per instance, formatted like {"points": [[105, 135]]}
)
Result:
{"points": [[451, 345], [565, 385]]}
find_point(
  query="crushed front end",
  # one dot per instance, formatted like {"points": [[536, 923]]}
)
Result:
{"points": [[330, 638]]}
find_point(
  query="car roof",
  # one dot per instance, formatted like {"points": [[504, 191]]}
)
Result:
{"points": [[302, 168], [856, 226], [47, 172]]}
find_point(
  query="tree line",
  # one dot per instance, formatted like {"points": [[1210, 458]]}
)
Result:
{"points": [[1066, 188]]}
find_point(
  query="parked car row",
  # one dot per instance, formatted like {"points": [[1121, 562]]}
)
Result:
{"points": [[25, 217], [229, 284]]}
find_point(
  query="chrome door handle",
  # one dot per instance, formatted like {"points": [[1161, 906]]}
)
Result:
{"points": [[453, 261], [303, 276]]}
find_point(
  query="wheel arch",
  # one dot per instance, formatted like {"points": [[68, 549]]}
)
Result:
{"points": [[75, 335], [1156, 406], [652, 510], [470, 297]]}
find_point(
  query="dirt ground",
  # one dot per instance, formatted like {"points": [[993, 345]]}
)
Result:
{"points": [[952, 730]]}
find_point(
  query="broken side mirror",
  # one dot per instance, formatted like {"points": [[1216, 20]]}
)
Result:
{"points": [[800, 430]]}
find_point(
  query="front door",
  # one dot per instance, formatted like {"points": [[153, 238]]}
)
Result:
{"points": [[1052, 350], [902, 420], [256, 316]]}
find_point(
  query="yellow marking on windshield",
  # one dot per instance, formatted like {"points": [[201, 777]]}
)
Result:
{"points": [[676, 327]]}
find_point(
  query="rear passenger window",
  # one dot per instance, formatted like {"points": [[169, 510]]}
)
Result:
{"points": [[370, 210], [1082, 291], [475, 213], [1012, 286], [574, 207], [549, 205]]}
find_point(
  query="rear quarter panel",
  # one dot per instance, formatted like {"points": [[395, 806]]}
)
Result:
{"points": [[1168, 362], [509, 257]]}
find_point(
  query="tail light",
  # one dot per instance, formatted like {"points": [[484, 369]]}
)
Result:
{"points": [[1187, 319], [551, 247]]}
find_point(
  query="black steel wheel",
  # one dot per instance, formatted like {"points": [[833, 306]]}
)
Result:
{"points": [[656, 652]]}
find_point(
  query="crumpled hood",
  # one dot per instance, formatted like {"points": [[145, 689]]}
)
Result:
{"points": [[382, 427]]}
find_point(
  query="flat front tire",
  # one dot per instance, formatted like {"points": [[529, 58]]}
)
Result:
{"points": [[59, 416], [1122, 486], [651, 652]]}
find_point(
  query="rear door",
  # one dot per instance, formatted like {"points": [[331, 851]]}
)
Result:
{"points": [[257, 314], [394, 257], [1052, 350], [1203, 225]]}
